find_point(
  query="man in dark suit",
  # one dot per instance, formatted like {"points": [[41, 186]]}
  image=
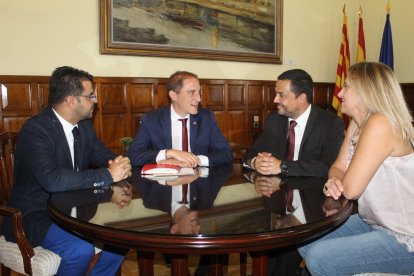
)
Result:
{"points": [[159, 138], [318, 136], [319, 133], [308, 199], [54, 151]]}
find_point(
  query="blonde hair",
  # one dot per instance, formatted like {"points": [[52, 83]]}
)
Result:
{"points": [[380, 92]]}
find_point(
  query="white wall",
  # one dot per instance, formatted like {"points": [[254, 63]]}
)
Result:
{"points": [[37, 36]]}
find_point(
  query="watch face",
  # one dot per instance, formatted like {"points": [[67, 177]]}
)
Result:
{"points": [[283, 168]]}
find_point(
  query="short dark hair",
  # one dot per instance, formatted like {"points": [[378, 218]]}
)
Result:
{"points": [[175, 82], [301, 82], [66, 81]]}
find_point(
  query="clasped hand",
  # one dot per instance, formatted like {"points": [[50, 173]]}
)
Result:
{"points": [[183, 179], [266, 185], [333, 188], [267, 164], [122, 194], [120, 168], [331, 206], [181, 158]]}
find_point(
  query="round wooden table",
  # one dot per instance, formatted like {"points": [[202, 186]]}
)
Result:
{"points": [[229, 211]]}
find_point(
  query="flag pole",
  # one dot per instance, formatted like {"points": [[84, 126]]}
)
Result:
{"points": [[360, 56]]}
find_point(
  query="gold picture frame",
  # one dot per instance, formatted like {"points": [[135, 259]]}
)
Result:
{"points": [[203, 29]]}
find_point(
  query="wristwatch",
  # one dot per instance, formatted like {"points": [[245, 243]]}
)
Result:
{"points": [[283, 168]]}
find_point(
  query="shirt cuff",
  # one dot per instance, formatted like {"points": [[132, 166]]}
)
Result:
{"points": [[204, 171], [160, 156], [251, 162], [203, 160]]}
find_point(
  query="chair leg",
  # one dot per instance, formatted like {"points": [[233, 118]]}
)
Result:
{"points": [[243, 262], [119, 272], [5, 271]]}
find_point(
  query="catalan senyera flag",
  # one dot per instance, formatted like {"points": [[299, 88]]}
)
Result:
{"points": [[361, 56], [387, 53], [342, 69]]}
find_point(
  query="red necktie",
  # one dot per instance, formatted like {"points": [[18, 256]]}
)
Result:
{"points": [[289, 157], [184, 135], [291, 141], [184, 147], [184, 194]]}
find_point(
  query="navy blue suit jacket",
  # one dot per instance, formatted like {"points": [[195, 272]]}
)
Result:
{"points": [[43, 165], [154, 134]]}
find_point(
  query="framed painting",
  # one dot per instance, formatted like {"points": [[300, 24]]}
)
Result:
{"points": [[246, 31]]}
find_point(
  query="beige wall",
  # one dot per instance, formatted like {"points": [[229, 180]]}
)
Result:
{"points": [[37, 36]]}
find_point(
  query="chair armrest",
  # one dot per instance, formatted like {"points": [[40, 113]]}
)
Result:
{"points": [[25, 248]]}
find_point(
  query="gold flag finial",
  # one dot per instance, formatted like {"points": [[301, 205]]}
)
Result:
{"points": [[360, 11], [343, 10], [388, 6]]}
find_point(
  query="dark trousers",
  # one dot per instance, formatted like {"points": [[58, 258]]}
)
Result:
{"points": [[284, 261]]}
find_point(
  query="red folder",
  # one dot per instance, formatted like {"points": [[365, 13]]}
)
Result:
{"points": [[158, 169]]}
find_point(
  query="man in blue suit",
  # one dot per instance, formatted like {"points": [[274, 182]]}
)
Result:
{"points": [[54, 151], [159, 138]]}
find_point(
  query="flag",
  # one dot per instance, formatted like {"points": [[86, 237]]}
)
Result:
{"points": [[361, 40], [342, 69], [387, 53]]}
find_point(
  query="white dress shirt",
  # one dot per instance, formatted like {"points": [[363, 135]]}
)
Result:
{"points": [[176, 197], [299, 131], [176, 134], [67, 128]]}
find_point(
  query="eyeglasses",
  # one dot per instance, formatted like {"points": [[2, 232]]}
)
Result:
{"points": [[92, 97]]}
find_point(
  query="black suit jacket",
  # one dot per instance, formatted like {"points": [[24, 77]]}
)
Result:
{"points": [[322, 139], [43, 165]]}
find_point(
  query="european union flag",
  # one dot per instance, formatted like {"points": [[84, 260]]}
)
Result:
{"points": [[387, 53]]}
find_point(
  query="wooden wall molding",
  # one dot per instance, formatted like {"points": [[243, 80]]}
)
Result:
{"points": [[123, 100]]}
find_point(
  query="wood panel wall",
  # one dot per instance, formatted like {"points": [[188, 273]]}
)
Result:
{"points": [[123, 101]]}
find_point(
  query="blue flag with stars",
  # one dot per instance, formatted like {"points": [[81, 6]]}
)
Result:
{"points": [[387, 53]]}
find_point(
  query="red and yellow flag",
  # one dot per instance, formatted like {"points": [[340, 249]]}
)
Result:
{"points": [[342, 69], [361, 40]]}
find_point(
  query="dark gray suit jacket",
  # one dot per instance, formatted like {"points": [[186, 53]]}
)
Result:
{"points": [[321, 142], [43, 165]]}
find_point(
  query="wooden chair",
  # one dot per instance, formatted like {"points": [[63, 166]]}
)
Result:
{"points": [[20, 257], [7, 146]]}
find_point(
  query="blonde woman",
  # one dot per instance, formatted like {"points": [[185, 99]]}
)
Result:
{"points": [[375, 166]]}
